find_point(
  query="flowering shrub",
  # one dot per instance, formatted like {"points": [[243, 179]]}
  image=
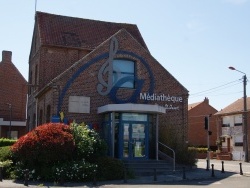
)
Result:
{"points": [[43, 152], [20, 171], [74, 170], [5, 163], [41, 148], [47, 143], [89, 145]]}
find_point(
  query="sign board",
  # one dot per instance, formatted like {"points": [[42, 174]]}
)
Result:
{"points": [[79, 104]]}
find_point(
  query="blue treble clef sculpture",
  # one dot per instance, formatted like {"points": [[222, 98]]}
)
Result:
{"points": [[107, 69]]}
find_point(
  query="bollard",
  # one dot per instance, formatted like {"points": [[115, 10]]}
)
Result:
{"points": [[212, 170], [155, 176], [94, 178], [184, 173], [26, 177], [207, 169], [241, 172], [125, 175], [1, 173], [222, 170], [61, 180]]}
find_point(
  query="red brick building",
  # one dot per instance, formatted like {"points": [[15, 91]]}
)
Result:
{"points": [[197, 135], [13, 97], [103, 74]]}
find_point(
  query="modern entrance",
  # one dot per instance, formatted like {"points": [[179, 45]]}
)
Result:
{"points": [[130, 130], [134, 141]]}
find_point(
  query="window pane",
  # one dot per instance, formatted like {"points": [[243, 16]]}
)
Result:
{"points": [[123, 71], [13, 134], [134, 117], [123, 66]]}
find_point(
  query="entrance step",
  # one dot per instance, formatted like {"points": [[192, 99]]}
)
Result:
{"points": [[224, 156], [148, 167]]}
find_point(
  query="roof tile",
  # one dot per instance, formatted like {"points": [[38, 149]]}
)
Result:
{"points": [[81, 33], [235, 107]]}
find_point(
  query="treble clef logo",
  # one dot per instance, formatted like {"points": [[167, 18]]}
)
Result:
{"points": [[106, 70]]}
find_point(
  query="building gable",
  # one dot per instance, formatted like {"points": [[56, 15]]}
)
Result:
{"points": [[13, 88], [149, 72]]}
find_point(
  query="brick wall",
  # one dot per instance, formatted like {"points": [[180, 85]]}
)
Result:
{"points": [[197, 135]]}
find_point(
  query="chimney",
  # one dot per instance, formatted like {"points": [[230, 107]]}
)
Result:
{"points": [[206, 100], [6, 56]]}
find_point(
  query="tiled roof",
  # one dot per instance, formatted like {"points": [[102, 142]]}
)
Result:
{"points": [[191, 106], [235, 107], [80, 33]]}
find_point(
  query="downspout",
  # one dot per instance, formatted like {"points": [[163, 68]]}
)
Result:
{"points": [[36, 111], [157, 136], [113, 134]]}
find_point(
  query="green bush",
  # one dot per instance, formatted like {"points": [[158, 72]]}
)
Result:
{"points": [[89, 145], [5, 161], [6, 142], [175, 141], [5, 153], [185, 156], [198, 150], [110, 168]]}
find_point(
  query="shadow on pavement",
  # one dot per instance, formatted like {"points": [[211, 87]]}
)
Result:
{"points": [[198, 176]]}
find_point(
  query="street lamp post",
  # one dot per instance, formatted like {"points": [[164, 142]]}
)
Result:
{"points": [[244, 113]]}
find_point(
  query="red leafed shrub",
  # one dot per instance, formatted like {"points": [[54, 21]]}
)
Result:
{"points": [[47, 144]]}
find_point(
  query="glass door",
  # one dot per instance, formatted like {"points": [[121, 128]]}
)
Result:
{"points": [[135, 142]]}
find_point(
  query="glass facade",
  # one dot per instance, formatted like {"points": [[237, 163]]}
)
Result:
{"points": [[129, 137]]}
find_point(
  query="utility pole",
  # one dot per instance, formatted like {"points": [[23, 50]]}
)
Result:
{"points": [[245, 119], [244, 115]]}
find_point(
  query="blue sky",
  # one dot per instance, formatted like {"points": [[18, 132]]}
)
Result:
{"points": [[195, 40]]}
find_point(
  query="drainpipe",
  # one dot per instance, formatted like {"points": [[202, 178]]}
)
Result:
{"points": [[36, 112], [113, 134], [157, 136]]}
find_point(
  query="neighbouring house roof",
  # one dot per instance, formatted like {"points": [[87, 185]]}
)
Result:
{"points": [[235, 107], [67, 31], [191, 106]]}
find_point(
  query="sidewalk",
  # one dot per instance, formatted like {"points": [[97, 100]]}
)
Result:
{"points": [[231, 169]]}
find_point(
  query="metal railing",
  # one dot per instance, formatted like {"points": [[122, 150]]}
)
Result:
{"points": [[167, 155]]}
